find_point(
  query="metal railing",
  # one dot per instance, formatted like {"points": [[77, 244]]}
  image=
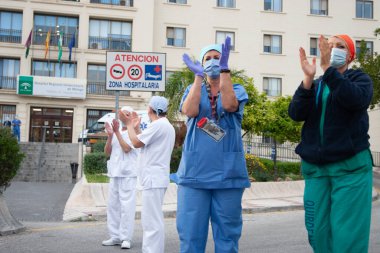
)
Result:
{"points": [[128, 3], [39, 37], [8, 82], [99, 88], [110, 43], [285, 152], [10, 35], [376, 158]]}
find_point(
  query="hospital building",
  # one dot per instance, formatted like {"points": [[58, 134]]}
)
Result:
{"points": [[266, 36]]}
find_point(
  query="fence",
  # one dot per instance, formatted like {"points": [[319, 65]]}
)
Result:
{"points": [[262, 147]]}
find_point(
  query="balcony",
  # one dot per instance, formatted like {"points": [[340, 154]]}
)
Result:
{"points": [[39, 37], [128, 3], [99, 88], [10, 36], [111, 43], [8, 82]]}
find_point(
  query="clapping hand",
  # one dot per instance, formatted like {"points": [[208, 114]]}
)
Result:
{"points": [[226, 48], [115, 125], [136, 120], [195, 67], [109, 130], [325, 50], [308, 69]]}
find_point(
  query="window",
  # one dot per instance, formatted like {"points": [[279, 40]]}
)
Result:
{"points": [[66, 26], [7, 112], [9, 69], [314, 49], [226, 3], [54, 69], [319, 7], [93, 116], [221, 37], [368, 45], [128, 3], [176, 36], [272, 86], [10, 27], [178, 1], [364, 9], [105, 34], [96, 81], [272, 44], [273, 5]]}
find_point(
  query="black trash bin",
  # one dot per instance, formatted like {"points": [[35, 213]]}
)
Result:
{"points": [[74, 170]]}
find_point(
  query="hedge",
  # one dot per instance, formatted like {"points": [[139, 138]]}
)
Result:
{"points": [[95, 163]]}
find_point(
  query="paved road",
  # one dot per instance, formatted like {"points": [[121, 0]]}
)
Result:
{"points": [[277, 232], [32, 201]]}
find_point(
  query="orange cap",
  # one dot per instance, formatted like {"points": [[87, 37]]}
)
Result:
{"points": [[350, 44]]}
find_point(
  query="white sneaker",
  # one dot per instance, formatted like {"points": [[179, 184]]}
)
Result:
{"points": [[126, 245], [111, 242]]}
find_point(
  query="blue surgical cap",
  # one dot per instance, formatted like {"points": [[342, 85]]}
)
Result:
{"points": [[216, 47], [158, 103]]}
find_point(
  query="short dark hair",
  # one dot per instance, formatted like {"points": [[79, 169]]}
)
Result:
{"points": [[160, 112]]}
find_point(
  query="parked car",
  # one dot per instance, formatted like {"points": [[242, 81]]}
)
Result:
{"points": [[97, 130]]}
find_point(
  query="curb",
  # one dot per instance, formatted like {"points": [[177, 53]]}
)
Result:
{"points": [[172, 213]]}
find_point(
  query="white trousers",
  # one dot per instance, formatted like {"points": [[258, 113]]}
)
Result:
{"points": [[121, 207], [152, 219]]}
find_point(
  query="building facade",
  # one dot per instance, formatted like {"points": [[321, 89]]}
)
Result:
{"points": [[266, 36]]}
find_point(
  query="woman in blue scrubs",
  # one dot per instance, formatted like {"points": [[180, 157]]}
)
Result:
{"points": [[212, 174]]}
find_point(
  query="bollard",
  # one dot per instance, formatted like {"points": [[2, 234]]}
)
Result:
{"points": [[74, 169]]}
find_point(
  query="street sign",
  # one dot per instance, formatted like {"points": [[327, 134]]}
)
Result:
{"points": [[136, 71]]}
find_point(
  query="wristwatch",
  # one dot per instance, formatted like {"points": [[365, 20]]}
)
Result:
{"points": [[225, 71]]}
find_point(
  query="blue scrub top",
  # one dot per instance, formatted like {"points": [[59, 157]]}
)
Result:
{"points": [[206, 163]]}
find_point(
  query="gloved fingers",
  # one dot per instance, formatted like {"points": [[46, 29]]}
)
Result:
{"points": [[186, 59], [227, 43]]}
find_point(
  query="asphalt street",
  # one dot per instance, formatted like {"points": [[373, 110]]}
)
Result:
{"points": [[276, 232], [37, 201]]}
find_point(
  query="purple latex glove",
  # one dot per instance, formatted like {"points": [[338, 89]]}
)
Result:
{"points": [[226, 47], [195, 67]]}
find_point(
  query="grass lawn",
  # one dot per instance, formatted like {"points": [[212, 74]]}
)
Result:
{"points": [[97, 178]]}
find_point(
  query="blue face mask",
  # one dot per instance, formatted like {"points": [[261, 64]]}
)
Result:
{"points": [[212, 68], [338, 57]]}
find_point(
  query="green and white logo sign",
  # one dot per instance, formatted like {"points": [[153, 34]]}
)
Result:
{"points": [[25, 85]]}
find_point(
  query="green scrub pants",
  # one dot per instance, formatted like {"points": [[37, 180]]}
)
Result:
{"points": [[338, 212]]}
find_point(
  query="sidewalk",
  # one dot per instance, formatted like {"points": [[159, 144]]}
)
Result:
{"points": [[88, 201]]}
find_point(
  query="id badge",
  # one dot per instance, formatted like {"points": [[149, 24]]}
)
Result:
{"points": [[211, 129]]}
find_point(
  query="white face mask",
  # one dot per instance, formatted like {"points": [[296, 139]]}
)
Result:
{"points": [[338, 57]]}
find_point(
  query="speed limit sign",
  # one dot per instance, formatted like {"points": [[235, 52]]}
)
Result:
{"points": [[136, 71]]}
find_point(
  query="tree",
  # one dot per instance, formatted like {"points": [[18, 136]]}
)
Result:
{"points": [[370, 64], [10, 160]]}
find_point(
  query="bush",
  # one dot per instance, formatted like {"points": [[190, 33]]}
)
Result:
{"points": [[98, 147], [175, 159], [95, 163], [10, 158], [284, 169], [256, 169]]}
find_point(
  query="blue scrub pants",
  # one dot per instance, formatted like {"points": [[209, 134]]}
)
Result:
{"points": [[194, 210]]}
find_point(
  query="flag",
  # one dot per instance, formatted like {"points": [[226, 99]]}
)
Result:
{"points": [[28, 43], [60, 47], [71, 45], [47, 43]]}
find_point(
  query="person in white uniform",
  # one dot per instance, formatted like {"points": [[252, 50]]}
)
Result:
{"points": [[121, 169], [156, 143]]}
